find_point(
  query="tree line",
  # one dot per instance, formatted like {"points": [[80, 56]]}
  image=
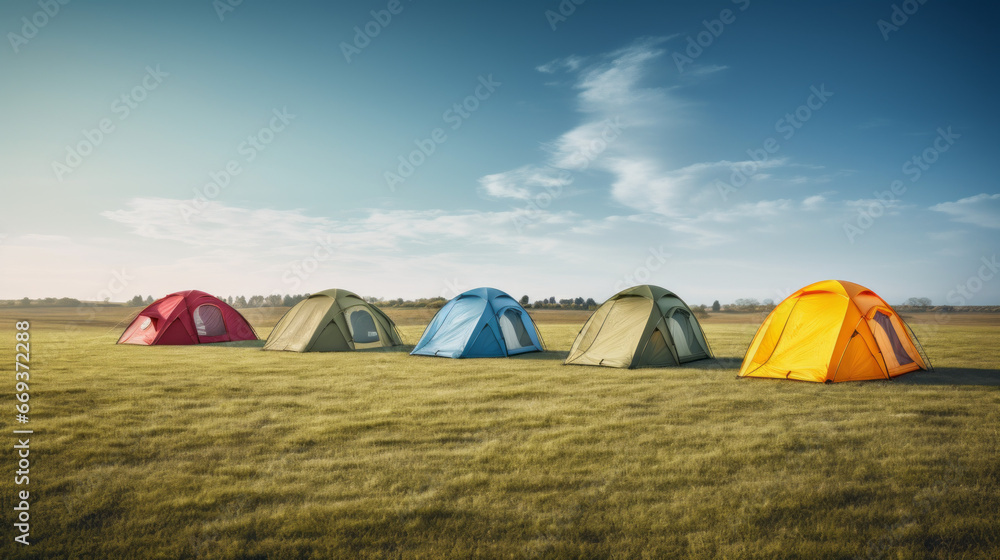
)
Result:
{"points": [[740, 305]]}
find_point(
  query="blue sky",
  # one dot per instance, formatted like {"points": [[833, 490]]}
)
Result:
{"points": [[562, 155]]}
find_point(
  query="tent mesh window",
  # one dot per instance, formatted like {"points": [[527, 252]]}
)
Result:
{"points": [[897, 347], [363, 327], [208, 321], [514, 333]]}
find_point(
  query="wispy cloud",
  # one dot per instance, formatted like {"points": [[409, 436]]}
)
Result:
{"points": [[568, 64], [364, 232], [699, 71], [524, 182], [981, 210], [814, 202], [642, 171]]}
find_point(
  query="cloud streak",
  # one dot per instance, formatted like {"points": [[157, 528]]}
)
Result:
{"points": [[981, 210]]}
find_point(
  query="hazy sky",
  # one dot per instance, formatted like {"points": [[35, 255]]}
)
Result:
{"points": [[540, 147]]}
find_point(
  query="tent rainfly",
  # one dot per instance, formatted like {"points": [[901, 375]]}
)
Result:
{"points": [[480, 323], [833, 331], [642, 326], [333, 321], [190, 317]]}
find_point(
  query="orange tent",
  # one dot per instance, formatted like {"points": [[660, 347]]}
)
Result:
{"points": [[833, 331]]}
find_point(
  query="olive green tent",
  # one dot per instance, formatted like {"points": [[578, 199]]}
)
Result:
{"points": [[333, 321], [643, 326]]}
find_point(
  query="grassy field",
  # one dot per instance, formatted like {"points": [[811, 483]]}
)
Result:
{"points": [[225, 451]]}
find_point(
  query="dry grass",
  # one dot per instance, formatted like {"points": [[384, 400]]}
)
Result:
{"points": [[224, 451]]}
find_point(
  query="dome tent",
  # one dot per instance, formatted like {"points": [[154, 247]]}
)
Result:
{"points": [[333, 321], [833, 331], [480, 323], [190, 317], [642, 326]]}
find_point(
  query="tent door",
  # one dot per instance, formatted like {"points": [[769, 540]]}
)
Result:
{"points": [[362, 326], [897, 359], [515, 335], [682, 331], [208, 321]]}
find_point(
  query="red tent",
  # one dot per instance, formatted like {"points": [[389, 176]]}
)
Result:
{"points": [[190, 317]]}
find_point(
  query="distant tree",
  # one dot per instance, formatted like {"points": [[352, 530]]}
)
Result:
{"points": [[918, 302], [229, 300], [25, 301], [716, 306], [273, 300], [552, 300], [768, 303], [700, 311], [255, 301], [578, 301], [524, 300], [136, 301], [590, 302], [149, 300], [240, 302]]}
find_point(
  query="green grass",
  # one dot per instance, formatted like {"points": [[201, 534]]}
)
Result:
{"points": [[229, 452]]}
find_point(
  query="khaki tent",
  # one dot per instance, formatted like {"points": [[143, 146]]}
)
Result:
{"points": [[643, 326], [333, 321], [833, 331]]}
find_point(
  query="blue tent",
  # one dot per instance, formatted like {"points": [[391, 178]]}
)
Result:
{"points": [[481, 323]]}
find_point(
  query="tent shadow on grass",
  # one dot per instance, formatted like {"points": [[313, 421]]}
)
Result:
{"points": [[238, 344], [715, 363], [547, 356], [403, 348], [952, 376]]}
